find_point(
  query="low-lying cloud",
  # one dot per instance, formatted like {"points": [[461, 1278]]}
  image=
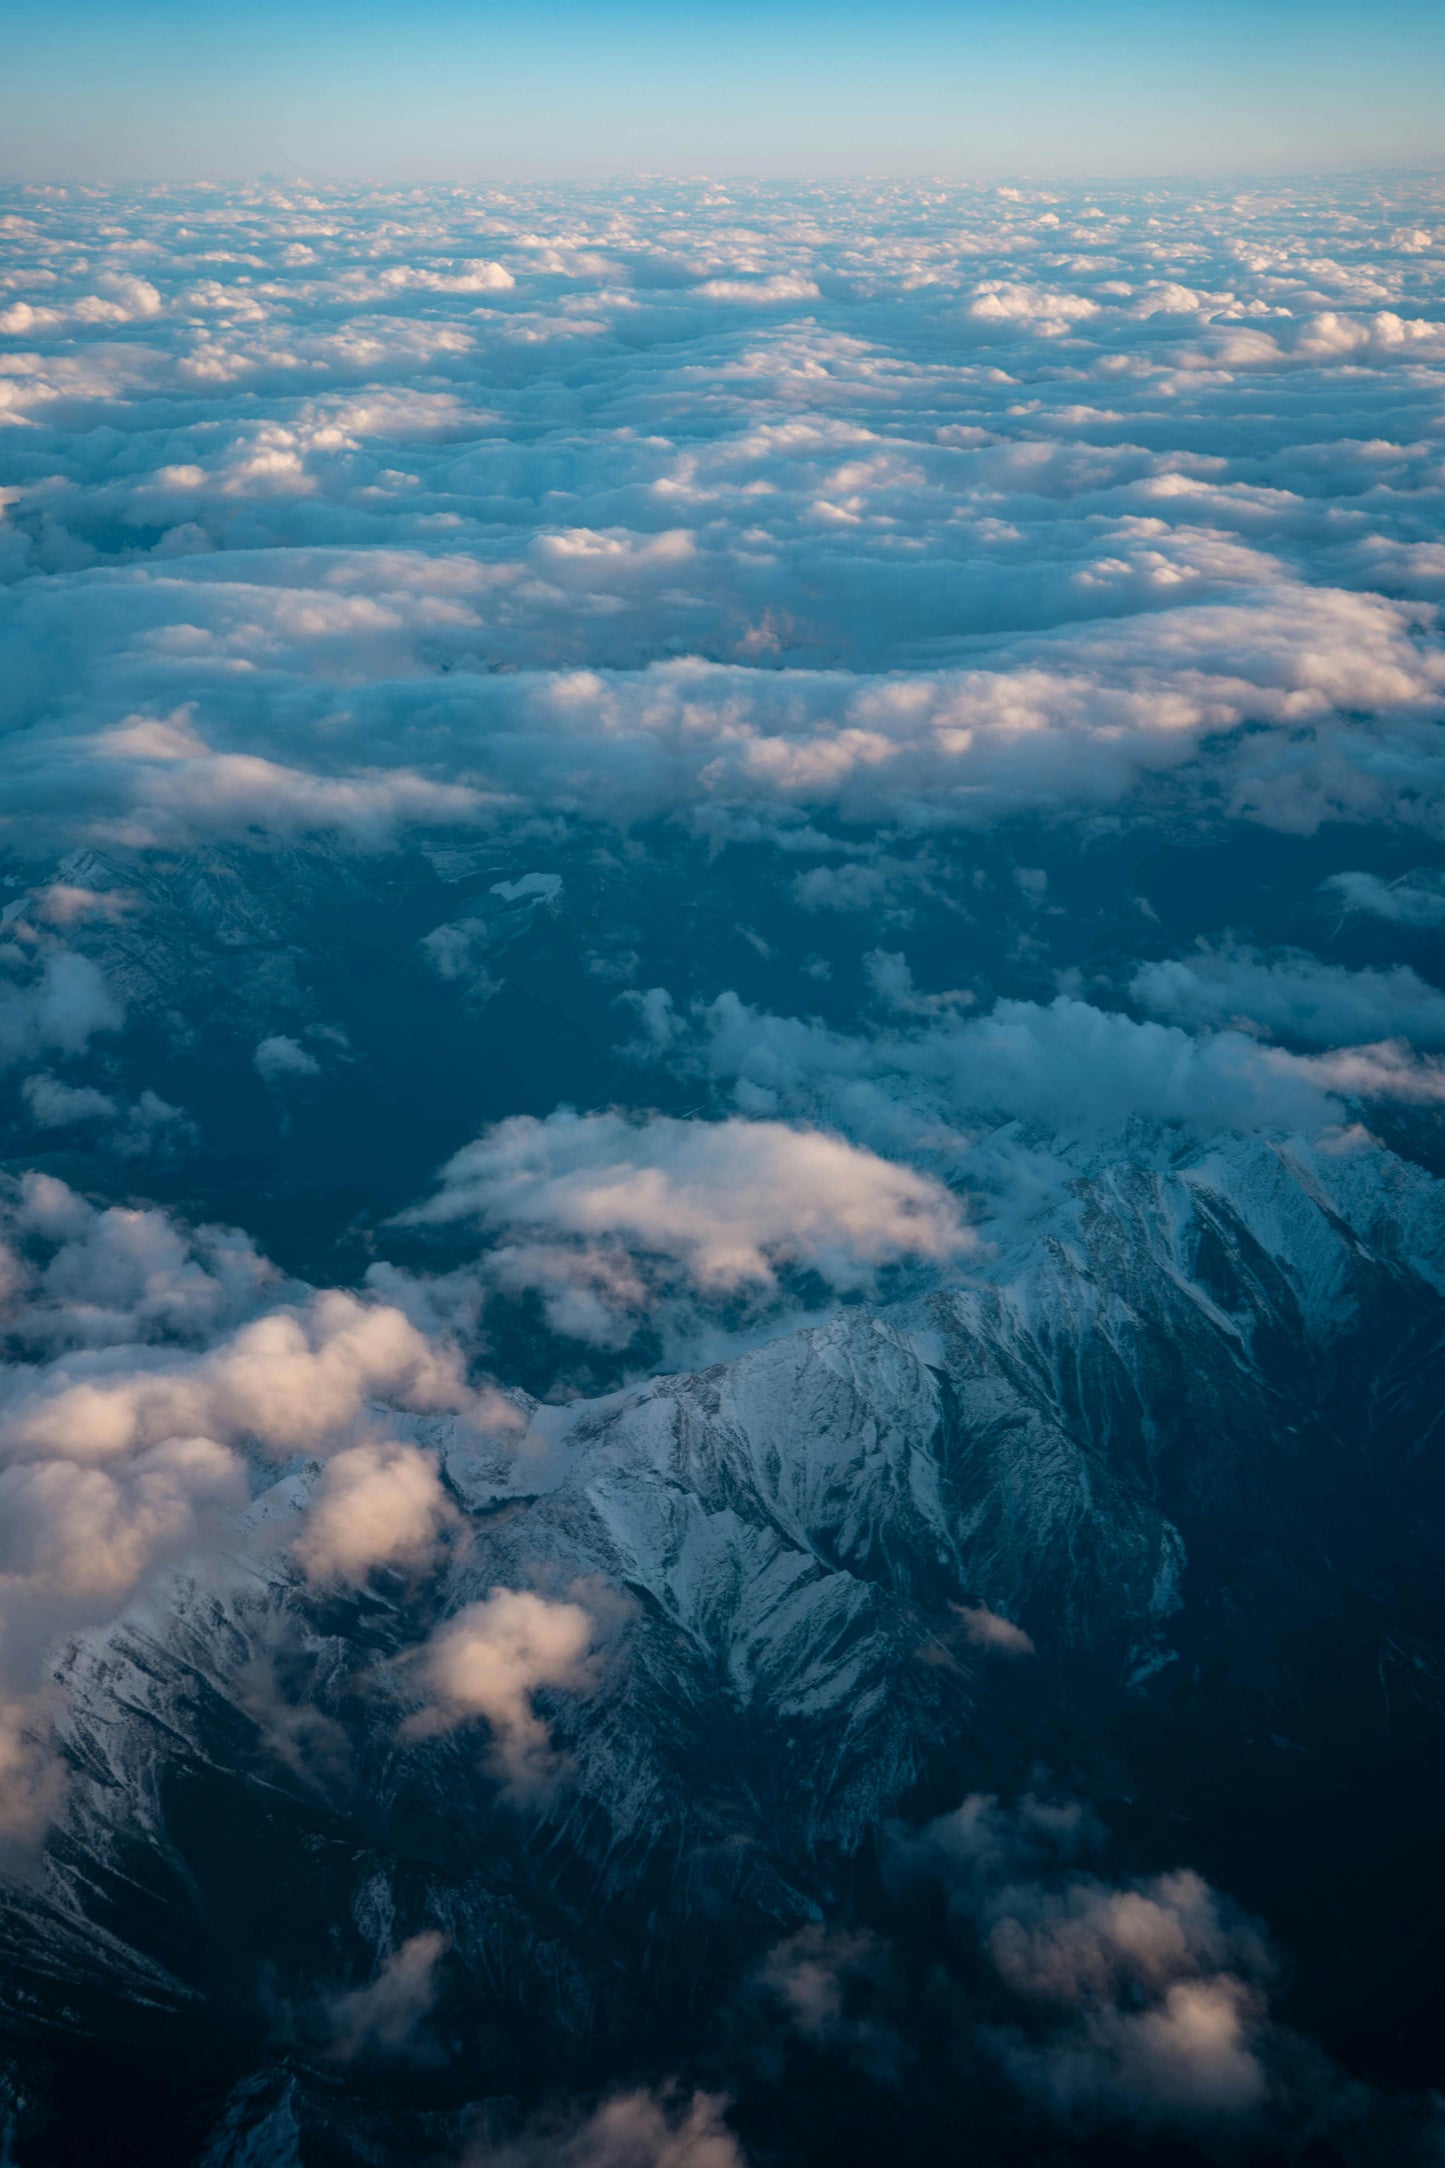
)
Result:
{"points": [[490, 1660], [596, 1210]]}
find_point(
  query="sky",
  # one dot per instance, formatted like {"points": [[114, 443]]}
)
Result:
{"points": [[464, 89]]}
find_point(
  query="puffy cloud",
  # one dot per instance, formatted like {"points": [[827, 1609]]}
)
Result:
{"points": [[616, 1207], [729, 1200], [489, 1661], [136, 1129], [278, 1059], [907, 500], [1168, 2012], [84, 1276], [56, 1009], [157, 1358], [1149, 1996], [54, 1105], [294, 1380], [1191, 2054], [826, 1980], [377, 1504], [78, 1531]]}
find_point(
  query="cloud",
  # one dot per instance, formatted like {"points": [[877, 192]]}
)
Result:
{"points": [[383, 2017], [377, 1505], [152, 1363], [1190, 2055], [1294, 995], [910, 504], [984, 1629], [489, 1661], [138, 1129], [1076, 1069], [1147, 1999], [1168, 2013], [83, 1276], [279, 1059], [1415, 899], [610, 1220], [293, 1380], [79, 1531], [639, 2129], [832, 1984], [729, 1201], [54, 1105], [56, 1009]]}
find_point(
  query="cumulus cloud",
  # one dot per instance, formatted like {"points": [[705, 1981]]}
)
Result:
{"points": [[155, 1360], [54, 1105], [137, 1129], [490, 1660], [726, 1205], [80, 1531], [729, 1200], [293, 1380], [1147, 1998], [378, 1504], [892, 518], [85, 1276]]}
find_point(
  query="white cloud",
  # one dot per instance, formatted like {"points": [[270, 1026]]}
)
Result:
{"points": [[902, 467], [490, 1660], [600, 1212], [54, 1105], [294, 1380], [159, 1360], [377, 1504], [75, 1530]]}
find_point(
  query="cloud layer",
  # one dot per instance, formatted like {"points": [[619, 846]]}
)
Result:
{"points": [[356, 511]]}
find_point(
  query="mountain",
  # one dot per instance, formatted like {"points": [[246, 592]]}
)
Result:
{"points": [[1141, 1506]]}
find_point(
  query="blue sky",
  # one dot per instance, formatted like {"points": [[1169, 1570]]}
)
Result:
{"points": [[467, 88]]}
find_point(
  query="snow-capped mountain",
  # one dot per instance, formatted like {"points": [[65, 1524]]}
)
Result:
{"points": [[814, 1568]]}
